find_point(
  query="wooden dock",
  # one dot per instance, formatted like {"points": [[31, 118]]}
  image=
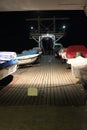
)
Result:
{"points": [[54, 82]]}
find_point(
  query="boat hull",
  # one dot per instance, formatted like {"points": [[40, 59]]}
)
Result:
{"points": [[7, 71], [28, 59]]}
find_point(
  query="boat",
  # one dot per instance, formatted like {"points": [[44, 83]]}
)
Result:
{"points": [[6, 56], [28, 57], [76, 50], [7, 71], [8, 64], [78, 65]]}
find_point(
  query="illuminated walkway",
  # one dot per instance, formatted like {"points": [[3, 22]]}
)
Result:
{"points": [[54, 82]]}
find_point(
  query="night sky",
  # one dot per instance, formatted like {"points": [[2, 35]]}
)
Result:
{"points": [[14, 29]]}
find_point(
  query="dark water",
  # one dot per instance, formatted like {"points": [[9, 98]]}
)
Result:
{"points": [[16, 43]]}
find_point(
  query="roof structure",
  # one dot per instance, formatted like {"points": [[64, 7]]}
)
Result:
{"points": [[32, 5]]}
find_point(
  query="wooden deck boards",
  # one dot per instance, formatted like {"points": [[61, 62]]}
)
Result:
{"points": [[55, 83]]}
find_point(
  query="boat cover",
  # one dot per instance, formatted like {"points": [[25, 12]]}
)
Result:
{"points": [[7, 56], [30, 52]]}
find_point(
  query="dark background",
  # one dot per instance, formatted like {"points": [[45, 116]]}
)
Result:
{"points": [[15, 30]]}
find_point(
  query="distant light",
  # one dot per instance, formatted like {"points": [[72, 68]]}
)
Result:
{"points": [[32, 27], [48, 34], [64, 26]]}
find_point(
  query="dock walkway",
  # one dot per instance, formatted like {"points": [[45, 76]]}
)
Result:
{"points": [[54, 82]]}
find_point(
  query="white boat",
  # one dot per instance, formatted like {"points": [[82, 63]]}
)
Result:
{"points": [[8, 64], [78, 64], [7, 71], [28, 59], [22, 57], [7, 56]]}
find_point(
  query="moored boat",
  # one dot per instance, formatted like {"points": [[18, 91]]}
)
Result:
{"points": [[28, 57], [8, 64]]}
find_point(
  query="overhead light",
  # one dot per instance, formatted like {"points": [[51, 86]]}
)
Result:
{"points": [[64, 27], [32, 27]]}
